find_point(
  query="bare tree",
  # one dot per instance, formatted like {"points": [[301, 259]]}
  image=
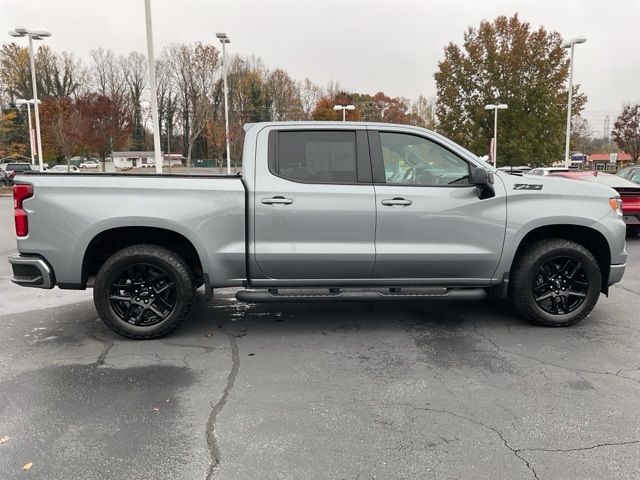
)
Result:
{"points": [[134, 69], [107, 77], [285, 96], [194, 70], [59, 75], [310, 95]]}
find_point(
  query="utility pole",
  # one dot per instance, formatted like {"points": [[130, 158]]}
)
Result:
{"points": [[224, 40], [152, 86], [570, 44]]}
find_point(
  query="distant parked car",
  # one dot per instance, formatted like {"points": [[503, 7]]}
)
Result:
{"points": [[15, 167], [521, 170], [631, 173], [548, 171], [63, 169], [629, 194], [6, 179], [89, 164]]}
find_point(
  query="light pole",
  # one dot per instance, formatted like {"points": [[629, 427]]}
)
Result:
{"points": [[28, 103], [224, 40], [570, 44], [495, 108], [157, 149], [33, 35], [344, 109]]}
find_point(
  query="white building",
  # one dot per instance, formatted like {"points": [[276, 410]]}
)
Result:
{"points": [[125, 160]]}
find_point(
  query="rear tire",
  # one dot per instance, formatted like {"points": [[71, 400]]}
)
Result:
{"points": [[144, 291], [555, 283]]}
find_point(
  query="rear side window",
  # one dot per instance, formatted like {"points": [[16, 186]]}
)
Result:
{"points": [[316, 156], [18, 167]]}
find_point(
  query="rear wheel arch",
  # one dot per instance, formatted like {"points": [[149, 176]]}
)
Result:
{"points": [[108, 242]]}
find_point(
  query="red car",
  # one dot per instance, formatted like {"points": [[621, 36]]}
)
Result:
{"points": [[629, 193]]}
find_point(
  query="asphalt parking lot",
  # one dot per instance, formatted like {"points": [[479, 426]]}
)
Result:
{"points": [[351, 391]]}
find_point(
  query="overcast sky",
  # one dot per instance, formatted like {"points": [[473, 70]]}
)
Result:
{"points": [[367, 45]]}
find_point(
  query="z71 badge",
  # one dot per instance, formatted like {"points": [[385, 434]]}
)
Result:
{"points": [[527, 186]]}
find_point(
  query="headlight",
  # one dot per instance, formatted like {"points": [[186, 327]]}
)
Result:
{"points": [[616, 205]]}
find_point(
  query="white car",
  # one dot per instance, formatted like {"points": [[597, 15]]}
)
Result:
{"points": [[64, 169], [89, 164], [547, 170]]}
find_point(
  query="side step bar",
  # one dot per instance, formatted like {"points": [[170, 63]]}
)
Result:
{"points": [[361, 295]]}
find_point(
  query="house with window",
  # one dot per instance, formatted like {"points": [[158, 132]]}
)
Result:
{"points": [[126, 160], [608, 161]]}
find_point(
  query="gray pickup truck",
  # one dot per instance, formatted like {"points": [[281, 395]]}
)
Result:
{"points": [[322, 212]]}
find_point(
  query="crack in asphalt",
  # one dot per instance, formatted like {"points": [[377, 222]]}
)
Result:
{"points": [[515, 451], [106, 347], [214, 448], [564, 367], [578, 449], [518, 451]]}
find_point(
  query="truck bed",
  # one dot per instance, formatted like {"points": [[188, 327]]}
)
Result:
{"points": [[69, 210]]}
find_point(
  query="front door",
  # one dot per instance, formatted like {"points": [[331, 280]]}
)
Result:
{"points": [[314, 206], [431, 224]]}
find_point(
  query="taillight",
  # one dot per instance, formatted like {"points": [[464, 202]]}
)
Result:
{"points": [[20, 193]]}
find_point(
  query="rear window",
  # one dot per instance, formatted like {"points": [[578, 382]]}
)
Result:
{"points": [[316, 156], [18, 167]]}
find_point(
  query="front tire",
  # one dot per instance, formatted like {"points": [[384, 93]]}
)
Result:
{"points": [[144, 291], [555, 283]]}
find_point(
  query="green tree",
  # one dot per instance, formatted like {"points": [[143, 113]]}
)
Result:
{"points": [[626, 130], [10, 143], [506, 61]]}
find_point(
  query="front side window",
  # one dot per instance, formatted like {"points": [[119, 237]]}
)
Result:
{"points": [[413, 160], [316, 157]]}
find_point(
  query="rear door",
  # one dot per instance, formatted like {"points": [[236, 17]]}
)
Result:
{"points": [[431, 225], [314, 206]]}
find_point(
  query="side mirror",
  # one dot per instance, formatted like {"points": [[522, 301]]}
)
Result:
{"points": [[483, 180]]}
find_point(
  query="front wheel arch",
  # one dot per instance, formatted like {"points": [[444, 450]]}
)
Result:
{"points": [[589, 238]]}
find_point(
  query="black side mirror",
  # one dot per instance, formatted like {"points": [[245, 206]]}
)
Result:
{"points": [[483, 180]]}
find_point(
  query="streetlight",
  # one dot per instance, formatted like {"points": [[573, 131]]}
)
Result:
{"points": [[157, 149], [495, 108], [33, 35], [28, 103], [344, 109], [570, 44], [224, 40]]}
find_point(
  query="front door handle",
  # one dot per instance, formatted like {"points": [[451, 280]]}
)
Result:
{"points": [[396, 202], [278, 200]]}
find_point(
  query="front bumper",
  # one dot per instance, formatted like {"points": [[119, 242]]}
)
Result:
{"points": [[31, 272], [615, 273]]}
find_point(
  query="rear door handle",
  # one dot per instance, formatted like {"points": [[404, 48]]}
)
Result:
{"points": [[396, 202], [278, 200]]}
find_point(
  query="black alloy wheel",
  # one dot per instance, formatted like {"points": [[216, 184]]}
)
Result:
{"points": [[143, 295], [144, 291], [555, 282], [560, 285]]}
